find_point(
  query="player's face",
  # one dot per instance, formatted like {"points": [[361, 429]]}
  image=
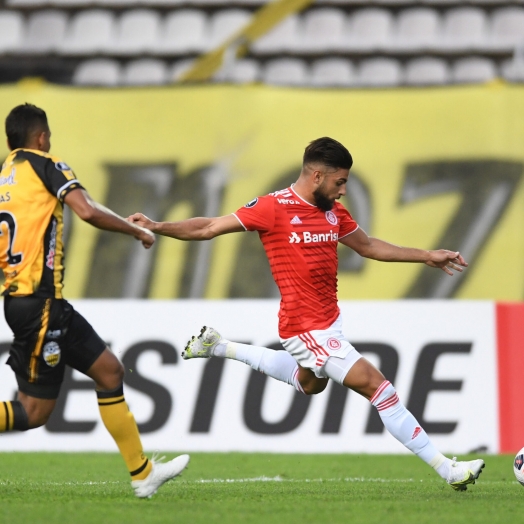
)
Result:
{"points": [[331, 188]]}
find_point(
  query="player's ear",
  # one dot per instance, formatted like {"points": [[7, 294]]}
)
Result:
{"points": [[317, 176], [41, 139]]}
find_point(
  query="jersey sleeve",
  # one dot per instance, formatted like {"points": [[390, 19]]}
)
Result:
{"points": [[257, 215], [347, 222], [57, 176]]}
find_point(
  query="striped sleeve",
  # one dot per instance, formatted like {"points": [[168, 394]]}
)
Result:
{"points": [[57, 176]]}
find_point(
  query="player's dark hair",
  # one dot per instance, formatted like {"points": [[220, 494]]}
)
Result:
{"points": [[329, 152], [22, 122]]}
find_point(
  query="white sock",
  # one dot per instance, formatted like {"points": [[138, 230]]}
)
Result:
{"points": [[276, 364], [405, 428]]}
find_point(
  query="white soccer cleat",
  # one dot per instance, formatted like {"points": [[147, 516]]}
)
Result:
{"points": [[160, 474], [202, 346], [463, 473]]}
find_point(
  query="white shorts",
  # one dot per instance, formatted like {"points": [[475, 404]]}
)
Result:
{"points": [[324, 351]]}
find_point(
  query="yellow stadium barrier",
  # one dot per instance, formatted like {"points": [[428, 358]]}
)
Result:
{"points": [[433, 168]]}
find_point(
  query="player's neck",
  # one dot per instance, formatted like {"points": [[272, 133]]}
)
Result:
{"points": [[304, 193]]}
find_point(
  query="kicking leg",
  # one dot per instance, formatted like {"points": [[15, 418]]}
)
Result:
{"points": [[146, 475], [279, 365], [366, 379]]}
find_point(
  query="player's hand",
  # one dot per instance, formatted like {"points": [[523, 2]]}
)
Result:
{"points": [[141, 220], [448, 261], [146, 237]]}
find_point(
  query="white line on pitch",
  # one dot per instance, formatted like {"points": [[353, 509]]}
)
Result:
{"points": [[238, 481]]}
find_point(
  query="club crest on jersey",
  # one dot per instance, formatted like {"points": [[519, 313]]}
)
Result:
{"points": [[62, 166], [253, 203], [334, 343], [51, 354], [331, 218]]}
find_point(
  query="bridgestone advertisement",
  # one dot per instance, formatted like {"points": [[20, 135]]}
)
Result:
{"points": [[440, 355]]}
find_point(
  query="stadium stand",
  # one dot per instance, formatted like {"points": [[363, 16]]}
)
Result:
{"points": [[99, 71], [427, 71], [332, 43], [333, 72]]}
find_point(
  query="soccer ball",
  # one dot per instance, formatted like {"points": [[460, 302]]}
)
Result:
{"points": [[518, 466]]}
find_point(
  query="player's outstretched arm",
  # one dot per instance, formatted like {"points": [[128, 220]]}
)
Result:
{"points": [[377, 249], [103, 218], [199, 228]]}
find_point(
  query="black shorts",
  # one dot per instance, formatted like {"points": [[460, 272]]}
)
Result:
{"points": [[48, 334]]}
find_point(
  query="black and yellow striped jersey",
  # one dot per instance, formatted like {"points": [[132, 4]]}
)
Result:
{"points": [[33, 185]]}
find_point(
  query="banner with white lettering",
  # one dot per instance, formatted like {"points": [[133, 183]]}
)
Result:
{"points": [[441, 356]]}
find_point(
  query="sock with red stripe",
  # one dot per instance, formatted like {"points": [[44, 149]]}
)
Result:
{"points": [[405, 428], [279, 365]]}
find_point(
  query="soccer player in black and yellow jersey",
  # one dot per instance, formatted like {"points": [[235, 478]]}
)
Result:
{"points": [[48, 333]]}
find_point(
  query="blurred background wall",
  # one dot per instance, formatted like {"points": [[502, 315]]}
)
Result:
{"points": [[427, 95]]}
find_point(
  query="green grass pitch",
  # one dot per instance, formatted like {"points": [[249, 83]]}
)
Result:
{"points": [[254, 488]]}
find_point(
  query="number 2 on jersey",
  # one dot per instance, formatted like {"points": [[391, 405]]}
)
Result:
{"points": [[9, 219]]}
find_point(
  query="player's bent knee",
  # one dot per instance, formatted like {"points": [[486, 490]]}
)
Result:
{"points": [[107, 371], [314, 387], [38, 415]]}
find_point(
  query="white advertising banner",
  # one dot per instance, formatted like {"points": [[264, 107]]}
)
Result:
{"points": [[441, 356]]}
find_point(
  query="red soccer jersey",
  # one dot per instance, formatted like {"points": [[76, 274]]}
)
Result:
{"points": [[300, 241]]}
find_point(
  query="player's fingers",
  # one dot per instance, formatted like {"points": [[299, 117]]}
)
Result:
{"points": [[461, 260], [147, 243], [447, 270]]}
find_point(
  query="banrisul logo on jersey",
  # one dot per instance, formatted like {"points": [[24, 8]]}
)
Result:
{"points": [[309, 237]]}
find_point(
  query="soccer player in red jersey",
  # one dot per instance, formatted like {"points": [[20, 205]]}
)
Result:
{"points": [[300, 228]]}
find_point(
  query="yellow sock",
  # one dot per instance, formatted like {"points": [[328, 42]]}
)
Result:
{"points": [[6, 417], [120, 423], [12, 416]]}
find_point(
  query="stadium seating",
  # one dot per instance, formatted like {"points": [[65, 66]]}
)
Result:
{"points": [[333, 43], [507, 29], [322, 30], [11, 31], [417, 28], [473, 70], [184, 32], [464, 28], [137, 32], [283, 37], [244, 71], [427, 71], [45, 32], [90, 32], [380, 72], [370, 29], [286, 71], [224, 24], [333, 72], [147, 71], [98, 72]]}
